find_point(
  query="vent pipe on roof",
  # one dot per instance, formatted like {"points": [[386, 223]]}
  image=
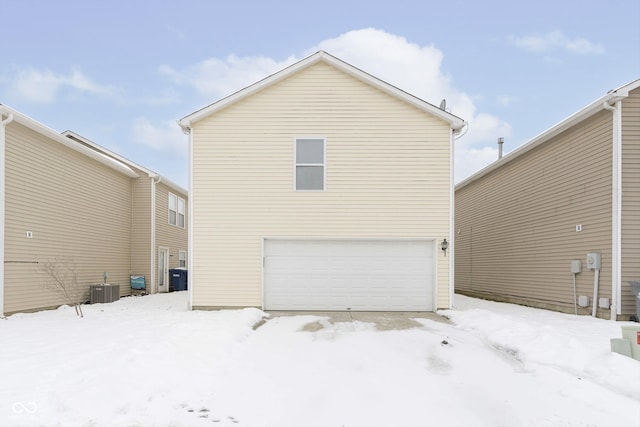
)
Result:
{"points": [[500, 142]]}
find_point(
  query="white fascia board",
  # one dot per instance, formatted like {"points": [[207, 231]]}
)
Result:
{"points": [[107, 152], [455, 122], [172, 185], [588, 111], [55, 136], [187, 121], [119, 158]]}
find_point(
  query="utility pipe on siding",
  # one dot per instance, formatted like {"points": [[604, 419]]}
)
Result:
{"points": [[616, 214], [3, 124], [596, 281], [575, 298]]}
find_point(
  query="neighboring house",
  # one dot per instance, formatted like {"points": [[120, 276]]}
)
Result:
{"points": [[159, 240], [68, 198], [321, 188], [572, 190]]}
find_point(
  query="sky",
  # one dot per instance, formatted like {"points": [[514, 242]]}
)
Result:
{"points": [[121, 73]]}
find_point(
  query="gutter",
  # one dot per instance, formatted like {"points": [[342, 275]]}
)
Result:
{"points": [[55, 136], [3, 125], [591, 109], [616, 207]]}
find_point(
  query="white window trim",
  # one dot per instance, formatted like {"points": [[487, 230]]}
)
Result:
{"points": [[184, 216], [323, 164], [177, 211], [180, 259]]}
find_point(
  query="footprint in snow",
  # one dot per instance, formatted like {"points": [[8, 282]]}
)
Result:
{"points": [[206, 414]]}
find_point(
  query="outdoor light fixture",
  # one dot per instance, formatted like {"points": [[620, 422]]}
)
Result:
{"points": [[444, 246]]}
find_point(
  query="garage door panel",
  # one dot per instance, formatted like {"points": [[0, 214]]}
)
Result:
{"points": [[348, 275], [347, 248]]}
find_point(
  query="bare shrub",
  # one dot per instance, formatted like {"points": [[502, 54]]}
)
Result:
{"points": [[63, 280]]}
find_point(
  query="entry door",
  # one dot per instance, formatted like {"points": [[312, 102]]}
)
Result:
{"points": [[163, 270]]}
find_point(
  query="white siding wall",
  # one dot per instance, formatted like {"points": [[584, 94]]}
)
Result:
{"points": [[387, 176]]}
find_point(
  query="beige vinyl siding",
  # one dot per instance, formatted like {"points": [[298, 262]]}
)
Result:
{"points": [[630, 197], [387, 176], [167, 235], [76, 207], [141, 229], [515, 226]]}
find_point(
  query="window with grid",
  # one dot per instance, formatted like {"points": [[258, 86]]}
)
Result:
{"points": [[310, 164], [176, 210]]}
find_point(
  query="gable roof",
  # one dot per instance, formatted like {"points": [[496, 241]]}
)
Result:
{"points": [[103, 158], [596, 106], [455, 122]]}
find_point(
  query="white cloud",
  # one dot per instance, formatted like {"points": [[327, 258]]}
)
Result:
{"points": [[166, 97], [506, 100], [164, 137], [471, 160], [417, 70], [557, 40], [217, 78], [43, 86], [411, 67]]}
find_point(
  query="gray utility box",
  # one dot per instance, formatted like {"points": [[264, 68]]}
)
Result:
{"points": [[104, 293], [594, 260]]}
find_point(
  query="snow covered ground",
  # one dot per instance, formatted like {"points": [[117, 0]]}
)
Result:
{"points": [[147, 361]]}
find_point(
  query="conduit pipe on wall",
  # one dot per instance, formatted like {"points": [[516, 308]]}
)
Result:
{"points": [[616, 202], [596, 282], [3, 124], [575, 297]]}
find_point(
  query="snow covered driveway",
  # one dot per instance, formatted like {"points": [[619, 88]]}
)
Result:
{"points": [[150, 362]]}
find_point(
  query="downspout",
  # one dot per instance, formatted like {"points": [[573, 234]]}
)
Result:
{"points": [[616, 208], [3, 124], [189, 131], [154, 180], [455, 135], [451, 222]]}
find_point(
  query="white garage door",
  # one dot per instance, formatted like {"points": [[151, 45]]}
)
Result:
{"points": [[359, 275]]}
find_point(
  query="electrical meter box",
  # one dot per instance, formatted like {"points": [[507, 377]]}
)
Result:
{"points": [[594, 261], [576, 266]]}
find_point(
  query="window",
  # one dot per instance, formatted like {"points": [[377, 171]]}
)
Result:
{"points": [[182, 258], [180, 212], [309, 164], [176, 210]]}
